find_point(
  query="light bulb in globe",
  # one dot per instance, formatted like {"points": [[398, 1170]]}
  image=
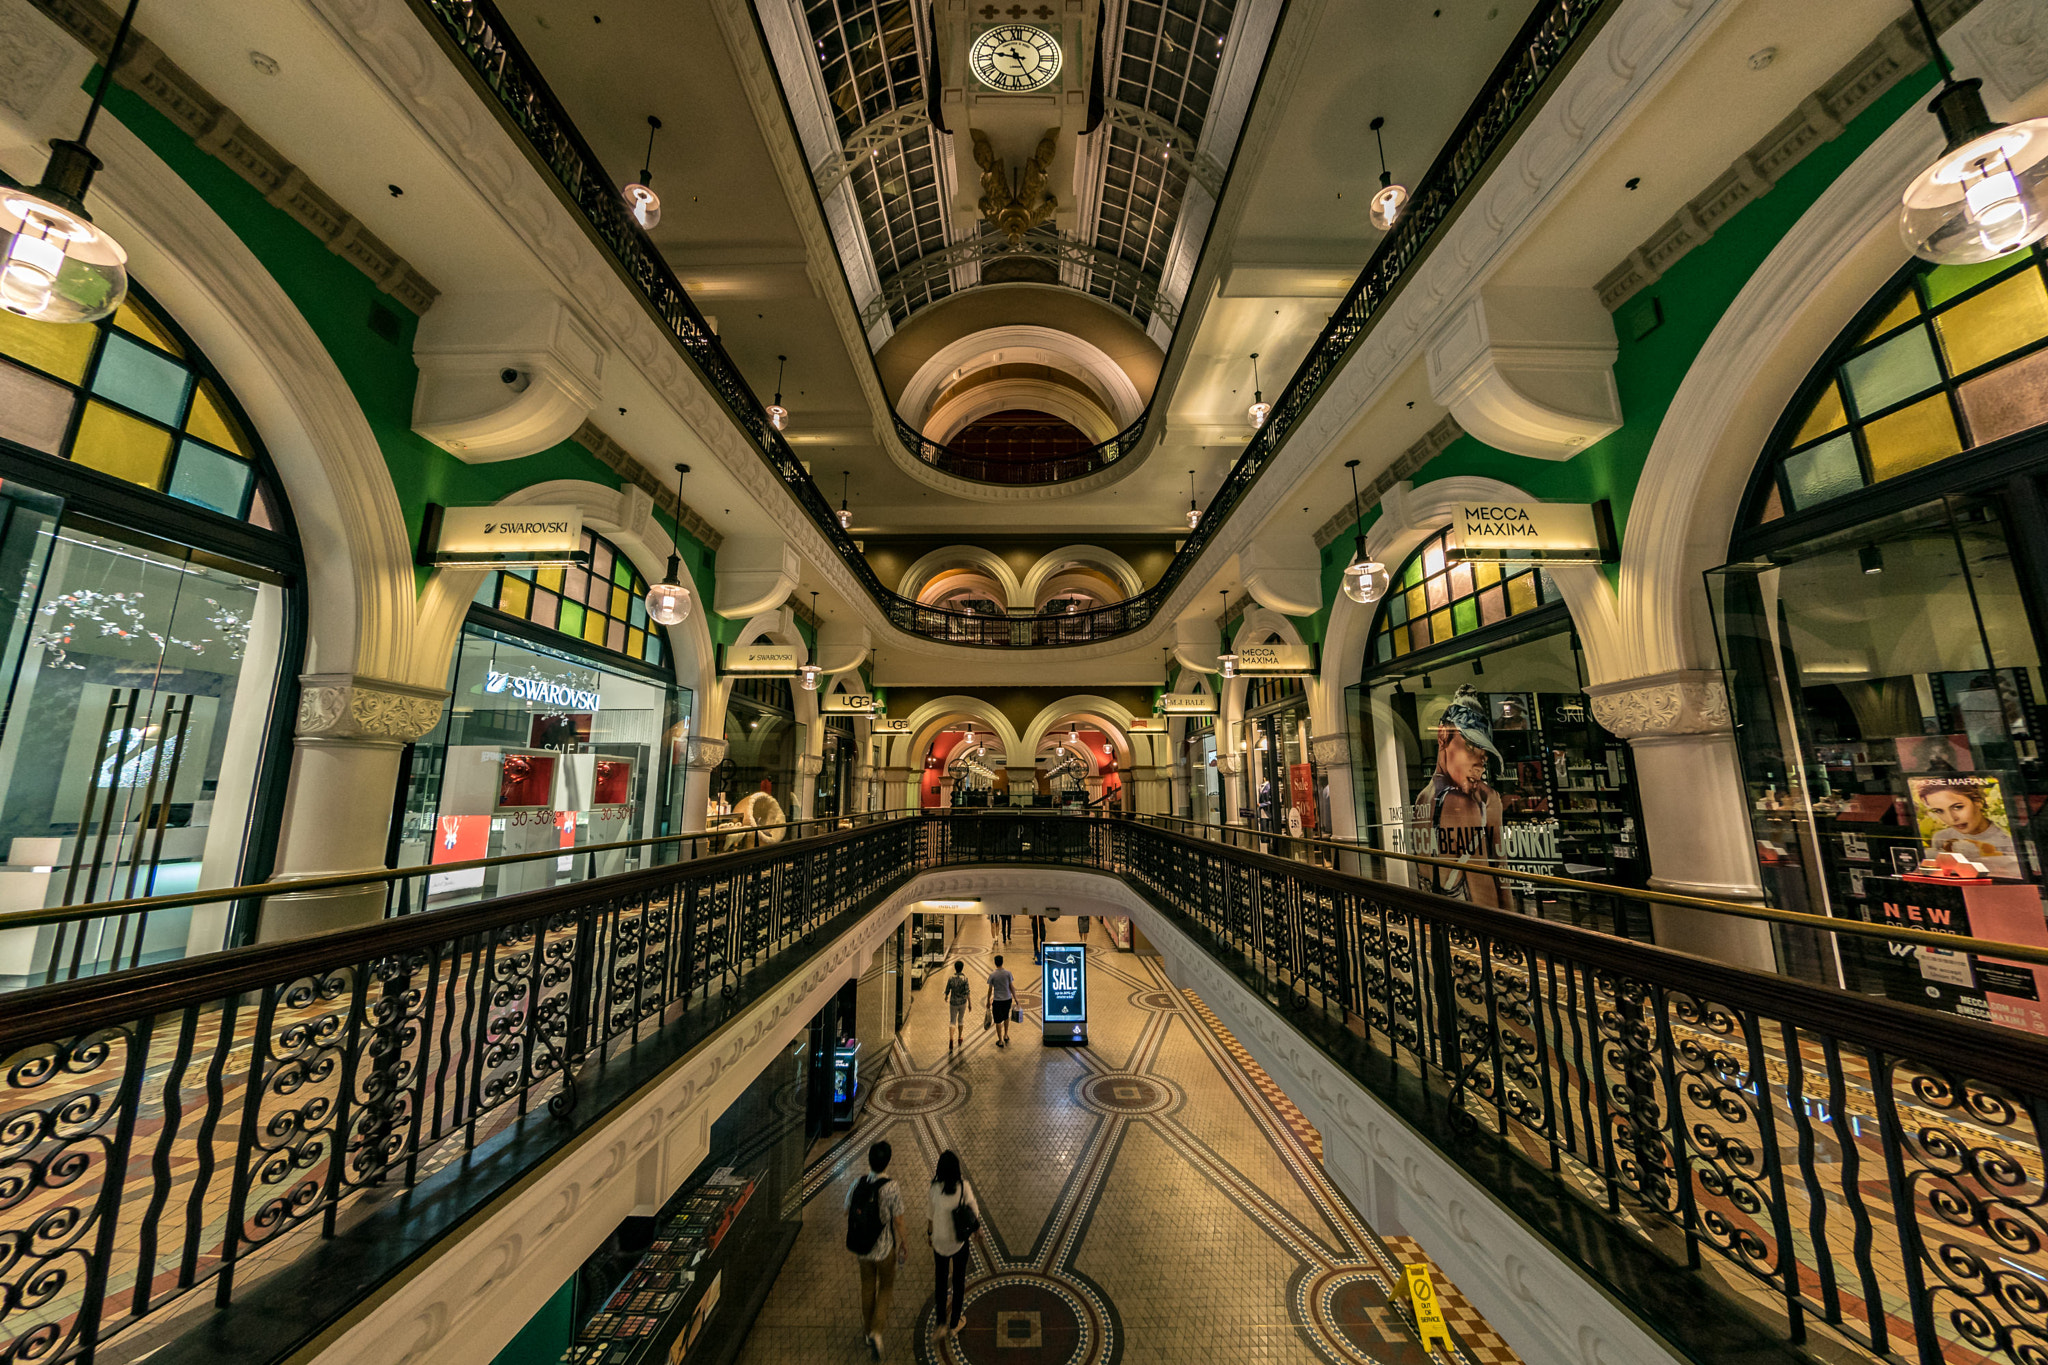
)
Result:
{"points": [[1981, 200], [56, 266], [643, 204], [1365, 580], [810, 678], [778, 416], [845, 519], [1256, 414], [1387, 206], [1194, 517], [1228, 664], [668, 603]]}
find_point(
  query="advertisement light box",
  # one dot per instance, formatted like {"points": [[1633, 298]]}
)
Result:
{"points": [[1063, 991]]}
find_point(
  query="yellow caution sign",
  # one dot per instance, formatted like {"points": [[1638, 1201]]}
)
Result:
{"points": [[1429, 1314]]}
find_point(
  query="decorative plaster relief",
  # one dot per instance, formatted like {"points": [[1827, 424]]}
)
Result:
{"points": [[1691, 702], [1330, 751], [1529, 371], [343, 706], [36, 58], [702, 755]]}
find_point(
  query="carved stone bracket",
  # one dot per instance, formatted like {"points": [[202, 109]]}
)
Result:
{"points": [[705, 754], [1230, 765], [809, 765], [1330, 751], [345, 707], [1687, 702]]}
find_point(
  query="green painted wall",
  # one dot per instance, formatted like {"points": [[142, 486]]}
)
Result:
{"points": [[338, 301], [1692, 296], [545, 1338]]}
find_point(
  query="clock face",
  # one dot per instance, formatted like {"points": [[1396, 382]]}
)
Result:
{"points": [[1016, 57]]}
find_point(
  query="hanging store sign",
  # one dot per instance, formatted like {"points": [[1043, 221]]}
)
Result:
{"points": [[1553, 532], [517, 537], [884, 725], [1269, 660], [1186, 704], [848, 704], [758, 659]]}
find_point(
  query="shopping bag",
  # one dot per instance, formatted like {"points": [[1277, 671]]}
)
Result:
{"points": [[988, 1018], [1016, 1016]]}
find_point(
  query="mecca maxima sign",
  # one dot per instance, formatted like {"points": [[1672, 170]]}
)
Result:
{"points": [[1553, 532], [515, 537], [1268, 660]]}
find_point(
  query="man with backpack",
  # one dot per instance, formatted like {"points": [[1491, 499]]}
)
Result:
{"points": [[874, 1234]]}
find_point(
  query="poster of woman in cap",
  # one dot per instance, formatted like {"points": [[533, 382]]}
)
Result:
{"points": [[1462, 812]]}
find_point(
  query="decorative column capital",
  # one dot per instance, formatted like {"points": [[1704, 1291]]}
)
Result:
{"points": [[1691, 701], [1230, 765], [1330, 751], [809, 765], [347, 708], [702, 754]]}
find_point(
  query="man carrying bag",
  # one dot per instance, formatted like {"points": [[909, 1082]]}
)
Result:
{"points": [[874, 1234]]}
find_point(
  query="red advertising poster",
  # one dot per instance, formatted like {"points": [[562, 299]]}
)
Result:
{"points": [[614, 784], [461, 838], [1301, 783], [527, 782]]}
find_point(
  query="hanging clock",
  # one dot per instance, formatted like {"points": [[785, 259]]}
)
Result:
{"points": [[1015, 58]]}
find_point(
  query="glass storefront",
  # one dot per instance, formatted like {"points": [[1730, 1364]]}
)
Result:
{"points": [[1280, 775], [1880, 623], [835, 779], [763, 740], [543, 746], [152, 567]]}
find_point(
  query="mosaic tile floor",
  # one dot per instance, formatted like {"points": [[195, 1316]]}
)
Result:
{"points": [[1150, 1199]]}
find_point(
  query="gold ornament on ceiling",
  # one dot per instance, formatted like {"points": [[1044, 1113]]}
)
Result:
{"points": [[1019, 205]]}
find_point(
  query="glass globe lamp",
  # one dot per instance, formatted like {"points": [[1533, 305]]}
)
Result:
{"points": [[1227, 663], [1194, 517], [1257, 413], [56, 266], [845, 519], [778, 416], [643, 204], [668, 602], [1365, 580], [811, 673], [1986, 195], [1388, 205]]}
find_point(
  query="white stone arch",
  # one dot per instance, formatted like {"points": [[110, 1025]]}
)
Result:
{"points": [[1050, 566], [1029, 395], [1049, 346], [1105, 715], [978, 558], [624, 517], [1190, 680], [1408, 517], [1828, 265], [358, 555], [935, 715], [779, 627]]}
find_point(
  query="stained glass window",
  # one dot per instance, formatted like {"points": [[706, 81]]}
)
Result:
{"points": [[129, 398], [1435, 599], [602, 604], [1950, 358]]}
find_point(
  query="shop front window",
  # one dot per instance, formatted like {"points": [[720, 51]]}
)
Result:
{"points": [[150, 561], [757, 781], [542, 748]]}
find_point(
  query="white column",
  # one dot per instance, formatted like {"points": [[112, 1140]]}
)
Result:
{"points": [[1230, 768], [808, 766], [700, 756], [898, 791], [1333, 756], [1696, 830], [337, 814], [1177, 789]]}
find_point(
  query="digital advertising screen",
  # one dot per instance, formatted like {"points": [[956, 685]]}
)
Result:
{"points": [[1064, 992]]}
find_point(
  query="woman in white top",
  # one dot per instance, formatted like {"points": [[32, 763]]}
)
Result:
{"points": [[950, 1191]]}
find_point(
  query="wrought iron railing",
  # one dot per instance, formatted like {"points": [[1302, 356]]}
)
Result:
{"points": [[1843, 1166], [477, 35], [1012, 472]]}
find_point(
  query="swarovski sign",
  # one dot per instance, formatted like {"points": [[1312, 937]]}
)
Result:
{"points": [[1553, 532], [503, 536], [541, 690], [762, 659]]}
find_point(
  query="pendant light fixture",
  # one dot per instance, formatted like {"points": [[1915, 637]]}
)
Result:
{"points": [[1194, 512], [668, 601], [1392, 199], [845, 516], [1986, 195], [643, 203], [811, 672], [1226, 662], [1365, 580], [1256, 413], [58, 267], [778, 415]]}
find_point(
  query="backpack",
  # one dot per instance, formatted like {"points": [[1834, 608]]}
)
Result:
{"points": [[958, 989], [864, 1226]]}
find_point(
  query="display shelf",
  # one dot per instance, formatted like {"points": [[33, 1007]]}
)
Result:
{"points": [[658, 1311]]}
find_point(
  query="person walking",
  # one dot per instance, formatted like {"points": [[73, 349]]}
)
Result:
{"points": [[959, 992], [874, 1234], [1002, 997], [1037, 938], [955, 1218], [1084, 928], [1006, 929]]}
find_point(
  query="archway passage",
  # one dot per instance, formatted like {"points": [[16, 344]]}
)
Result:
{"points": [[1019, 434]]}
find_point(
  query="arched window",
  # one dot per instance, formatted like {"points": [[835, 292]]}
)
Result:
{"points": [[1434, 600], [130, 398], [604, 604], [1950, 359]]}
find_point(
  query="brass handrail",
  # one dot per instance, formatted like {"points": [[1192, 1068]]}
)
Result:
{"points": [[2018, 952]]}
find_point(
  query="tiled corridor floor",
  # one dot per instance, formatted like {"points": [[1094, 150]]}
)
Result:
{"points": [[1147, 1199]]}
